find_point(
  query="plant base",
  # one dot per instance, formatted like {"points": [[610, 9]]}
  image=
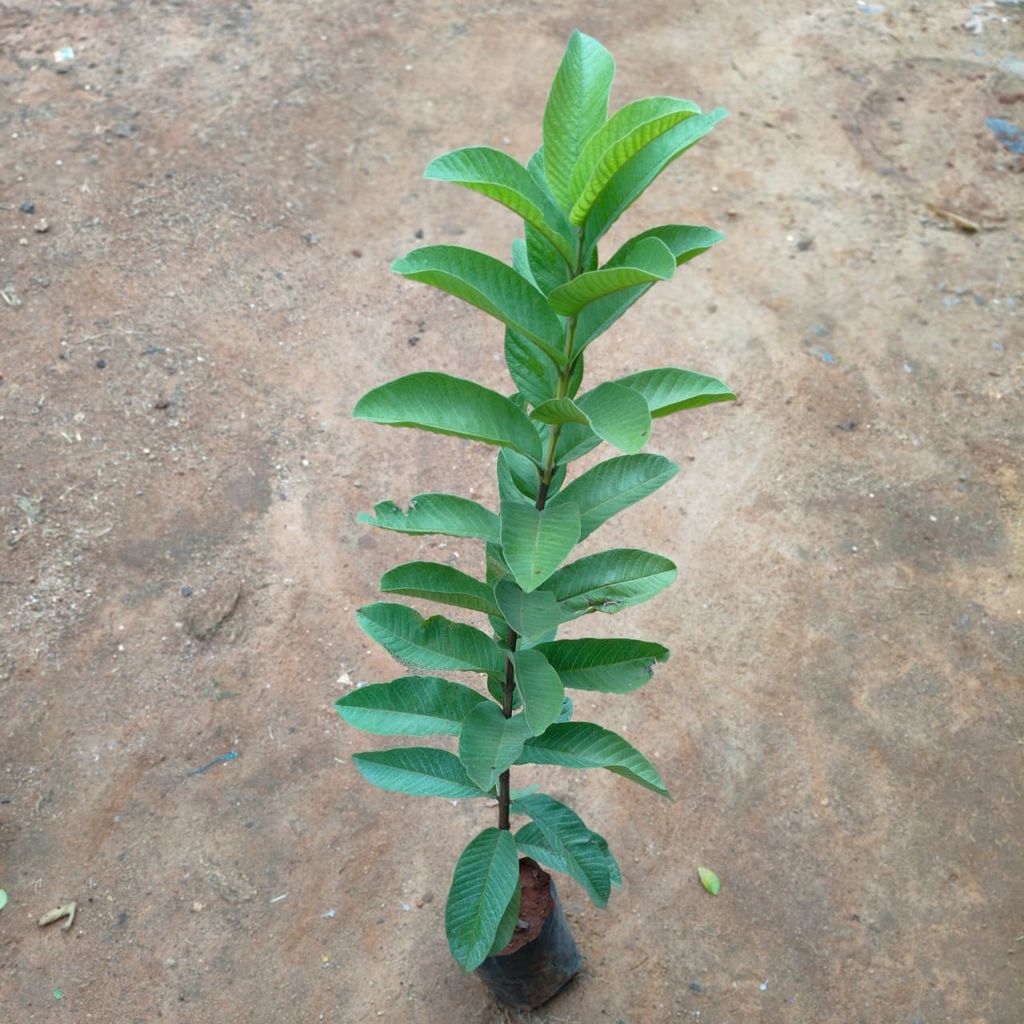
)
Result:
{"points": [[542, 957]]}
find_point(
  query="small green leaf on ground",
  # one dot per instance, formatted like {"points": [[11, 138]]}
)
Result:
{"points": [[57, 994], [3, 899], [709, 880]]}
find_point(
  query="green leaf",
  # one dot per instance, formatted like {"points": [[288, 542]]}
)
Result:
{"points": [[577, 107], [436, 643], [649, 261], [409, 706], [614, 665], [485, 878], [617, 415], [613, 485], [530, 615], [709, 880], [533, 373], [578, 849], [632, 179], [685, 242], [453, 406], [437, 513], [498, 176], [626, 132], [418, 771], [3, 899], [609, 581], [519, 480], [490, 285], [574, 441], [668, 390], [434, 581], [536, 543], [507, 925], [540, 688], [614, 414], [489, 743], [585, 745]]}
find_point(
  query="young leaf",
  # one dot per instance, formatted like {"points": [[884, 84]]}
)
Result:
{"points": [[519, 480], [450, 405], [649, 261], [607, 665], [498, 176], [540, 688], [437, 513], [436, 643], [435, 581], [683, 241], [709, 880], [485, 878], [614, 414], [577, 107], [533, 373], [490, 285], [609, 581], [630, 181], [507, 925], [613, 485], [409, 706], [668, 390], [574, 441], [530, 615], [536, 543], [489, 742], [418, 771], [580, 850], [585, 745], [627, 132], [547, 268], [617, 415]]}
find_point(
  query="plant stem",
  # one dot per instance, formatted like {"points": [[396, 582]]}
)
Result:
{"points": [[546, 474]]}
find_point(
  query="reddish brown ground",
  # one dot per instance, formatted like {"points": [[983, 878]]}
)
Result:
{"points": [[840, 723]]}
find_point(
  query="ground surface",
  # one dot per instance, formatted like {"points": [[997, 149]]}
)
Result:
{"points": [[224, 185]]}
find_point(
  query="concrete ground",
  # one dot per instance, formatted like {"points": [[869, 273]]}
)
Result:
{"points": [[191, 309]]}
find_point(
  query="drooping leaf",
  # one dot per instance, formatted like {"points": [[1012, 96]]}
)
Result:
{"points": [[485, 878], [626, 132], [450, 405], [536, 543], [577, 107], [684, 241], [489, 742], [585, 745], [540, 688], [507, 925], [709, 880], [632, 179], [490, 285], [613, 485], [533, 843], [418, 771], [579, 849], [530, 615], [409, 706], [649, 261], [614, 665], [498, 176], [436, 643], [448, 514], [609, 581], [668, 390], [435, 581]]}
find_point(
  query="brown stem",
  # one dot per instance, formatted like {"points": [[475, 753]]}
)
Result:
{"points": [[504, 780]]}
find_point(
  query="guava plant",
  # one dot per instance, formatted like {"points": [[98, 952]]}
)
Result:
{"points": [[555, 298]]}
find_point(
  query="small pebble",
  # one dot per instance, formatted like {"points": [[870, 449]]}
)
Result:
{"points": [[101, 364], [42, 226], [27, 207], [696, 987], [418, 233], [186, 591]]}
